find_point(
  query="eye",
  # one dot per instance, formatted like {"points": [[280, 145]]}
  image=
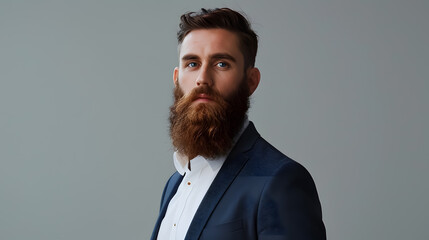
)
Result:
{"points": [[192, 64], [222, 64]]}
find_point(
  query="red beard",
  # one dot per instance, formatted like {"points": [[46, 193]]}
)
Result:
{"points": [[207, 129]]}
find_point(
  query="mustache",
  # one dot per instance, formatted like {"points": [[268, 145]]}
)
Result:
{"points": [[206, 90]]}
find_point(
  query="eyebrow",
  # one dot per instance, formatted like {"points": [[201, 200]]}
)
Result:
{"points": [[223, 56], [214, 56], [189, 57]]}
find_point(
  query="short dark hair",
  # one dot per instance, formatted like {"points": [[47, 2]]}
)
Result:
{"points": [[223, 18]]}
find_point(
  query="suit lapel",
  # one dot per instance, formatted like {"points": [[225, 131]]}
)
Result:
{"points": [[170, 190], [229, 171]]}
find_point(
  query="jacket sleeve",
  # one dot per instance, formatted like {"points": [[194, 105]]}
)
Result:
{"points": [[289, 206]]}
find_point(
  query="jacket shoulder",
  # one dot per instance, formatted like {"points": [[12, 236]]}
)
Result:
{"points": [[268, 160]]}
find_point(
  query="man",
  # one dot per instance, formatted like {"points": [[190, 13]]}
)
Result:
{"points": [[230, 183]]}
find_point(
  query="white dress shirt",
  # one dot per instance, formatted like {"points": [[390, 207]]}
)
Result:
{"points": [[191, 191]]}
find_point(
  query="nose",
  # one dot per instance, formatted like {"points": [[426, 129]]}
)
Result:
{"points": [[204, 77]]}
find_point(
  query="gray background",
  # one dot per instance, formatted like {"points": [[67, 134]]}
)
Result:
{"points": [[85, 88]]}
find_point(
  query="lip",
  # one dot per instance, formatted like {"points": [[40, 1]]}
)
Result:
{"points": [[203, 98]]}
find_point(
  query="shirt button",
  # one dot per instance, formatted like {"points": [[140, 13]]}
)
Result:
{"points": [[174, 225], [189, 183]]}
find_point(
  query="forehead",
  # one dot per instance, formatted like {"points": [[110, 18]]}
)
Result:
{"points": [[205, 42]]}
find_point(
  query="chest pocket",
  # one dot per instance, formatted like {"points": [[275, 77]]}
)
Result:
{"points": [[227, 231]]}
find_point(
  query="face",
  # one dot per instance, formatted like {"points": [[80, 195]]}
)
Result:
{"points": [[211, 94], [212, 58]]}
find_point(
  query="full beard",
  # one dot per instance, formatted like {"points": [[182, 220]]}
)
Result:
{"points": [[207, 129]]}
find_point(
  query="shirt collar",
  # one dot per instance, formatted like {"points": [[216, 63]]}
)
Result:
{"points": [[181, 162]]}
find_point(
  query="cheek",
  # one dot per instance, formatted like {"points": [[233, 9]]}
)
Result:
{"points": [[229, 84], [186, 88], [185, 84]]}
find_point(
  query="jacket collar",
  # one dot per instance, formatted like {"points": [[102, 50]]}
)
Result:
{"points": [[230, 169]]}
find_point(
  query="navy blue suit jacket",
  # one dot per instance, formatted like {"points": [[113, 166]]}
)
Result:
{"points": [[259, 193]]}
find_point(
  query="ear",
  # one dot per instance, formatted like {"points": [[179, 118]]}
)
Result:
{"points": [[176, 76], [253, 78]]}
